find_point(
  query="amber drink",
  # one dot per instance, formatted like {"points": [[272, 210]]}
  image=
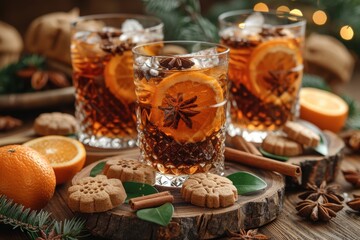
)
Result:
{"points": [[103, 75], [265, 70], [181, 88]]}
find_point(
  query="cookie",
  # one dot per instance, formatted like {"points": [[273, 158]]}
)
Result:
{"points": [[209, 190], [55, 123], [95, 194], [301, 134], [129, 170], [280, 145]]}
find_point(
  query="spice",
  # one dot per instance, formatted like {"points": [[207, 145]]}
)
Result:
{"points": [[328, 192], [352, 176], [176, 62], [178, 108], [355, 203], [319, 209], [9, 123], [41, 78], [246, 235], [152, 200], [241, 144], [352, 139]]}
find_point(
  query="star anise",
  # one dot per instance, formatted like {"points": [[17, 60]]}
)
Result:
{"points": [[51, 236], [116, 47], [176, 62], [178, 108], [319, 209], [246, 235], [328, 192], [355, 203], [352, 176]]}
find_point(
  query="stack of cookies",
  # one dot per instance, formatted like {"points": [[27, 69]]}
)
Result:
{"points": [[294, 140]]}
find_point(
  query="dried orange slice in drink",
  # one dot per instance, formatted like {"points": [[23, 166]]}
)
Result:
{"points": [[118, 76], [273, 67], [186, 106]]}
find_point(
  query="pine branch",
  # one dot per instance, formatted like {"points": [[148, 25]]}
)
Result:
{"points": [[38, 223]]}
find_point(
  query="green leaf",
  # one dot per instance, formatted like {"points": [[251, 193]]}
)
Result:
{"points": [[160, 215], [247, 183], [273, 156], [135, 189], [97, 169]]}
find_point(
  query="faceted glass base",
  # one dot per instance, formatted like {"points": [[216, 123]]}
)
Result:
{"points": [[105, 142], [250, 136], [170, 180]]}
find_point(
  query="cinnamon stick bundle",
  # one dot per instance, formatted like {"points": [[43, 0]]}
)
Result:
{"points": [[262, 162], [152, 200], [240, 143]]}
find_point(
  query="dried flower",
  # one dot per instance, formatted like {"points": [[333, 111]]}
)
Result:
{"points": [[246, 235], [355, 203], [328, 192]]}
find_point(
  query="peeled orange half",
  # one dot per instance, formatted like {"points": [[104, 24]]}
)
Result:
{"points": [[208, 93], [118, 76], [66, 155], [324, 109]]}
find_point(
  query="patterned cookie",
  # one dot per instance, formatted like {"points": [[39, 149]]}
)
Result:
{"points": [[281, 145], [209, 190], [96, 194], [129, 170], [55, 123], [301, 134]]}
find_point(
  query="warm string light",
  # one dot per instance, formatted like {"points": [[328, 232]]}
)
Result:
{"points": [[261, 7], [296, 12], [283, 9], [319, 17], [346, 32]]}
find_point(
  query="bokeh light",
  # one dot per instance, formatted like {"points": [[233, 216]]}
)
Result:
{"points": [[261, 7], [346, 32], [296, 12], [319, 17], [283, 9]]}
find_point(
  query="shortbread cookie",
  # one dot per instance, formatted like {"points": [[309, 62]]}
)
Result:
{"points": [[96, 194], [209, 190], [129, 170], [55, 123], [281, 145], [301, 134]]}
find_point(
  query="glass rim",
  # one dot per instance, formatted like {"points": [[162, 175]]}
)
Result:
{"points": [[136, 51], [300, 20], [77, 20]]}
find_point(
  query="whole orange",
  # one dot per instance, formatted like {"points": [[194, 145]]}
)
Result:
{"points": [[26, 176]]}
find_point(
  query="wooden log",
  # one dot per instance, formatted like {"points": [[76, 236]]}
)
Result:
{"points": [[192, 222]]}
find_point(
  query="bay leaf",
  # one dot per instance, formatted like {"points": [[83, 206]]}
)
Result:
{"points": [[273, 156], [97, 169], [160, 215], [136, 189], [247, 183]]}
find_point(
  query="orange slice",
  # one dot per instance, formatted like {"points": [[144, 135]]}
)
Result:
{"points": [[66, 155], [118, 76], [275, 56], [208, 93], [324, 109]]}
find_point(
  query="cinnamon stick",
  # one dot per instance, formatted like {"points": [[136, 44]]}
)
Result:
{"points": [[240, 143], [262, 162], [152, 200]]}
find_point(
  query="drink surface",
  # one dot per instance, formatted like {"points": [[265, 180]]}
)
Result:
{"points": [[181, 114], [104, 84], [265, 72]]}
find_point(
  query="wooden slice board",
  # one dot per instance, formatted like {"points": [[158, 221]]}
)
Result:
{"points": [[317, 168], [189, 221]]}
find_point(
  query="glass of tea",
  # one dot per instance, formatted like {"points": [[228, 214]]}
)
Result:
{"points": [[103, 75], [182, 90], [265, 70]]}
